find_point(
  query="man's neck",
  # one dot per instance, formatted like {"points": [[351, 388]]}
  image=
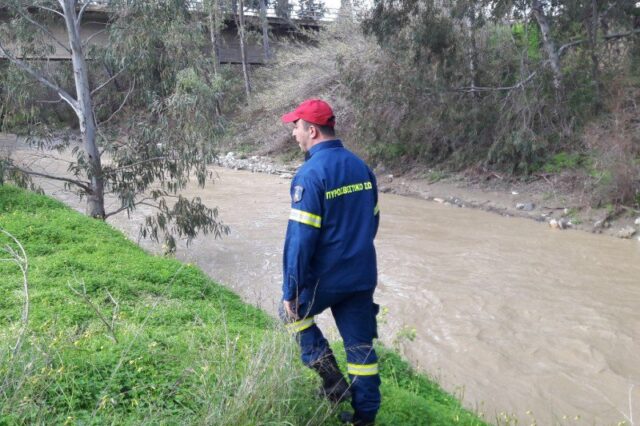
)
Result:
{"points": [[319, 141]]}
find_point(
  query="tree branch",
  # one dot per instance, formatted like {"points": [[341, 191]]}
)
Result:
{"points": [[83, 296], [49, 10], [86, 42], [121, 105], [148, 160], [64, 95], [19, 257], [82, 9], [80, 184], [135, 203], [22, 261], [43, 29], [564, 47], [109, 80], [520, 84]]}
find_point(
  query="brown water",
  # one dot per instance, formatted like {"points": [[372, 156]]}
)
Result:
{"points": [[517, 319]]}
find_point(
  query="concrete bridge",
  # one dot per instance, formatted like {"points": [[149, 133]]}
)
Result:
{"points": [[96, 19]]}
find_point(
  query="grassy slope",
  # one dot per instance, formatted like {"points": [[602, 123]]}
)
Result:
{"points": [[184, 349]]}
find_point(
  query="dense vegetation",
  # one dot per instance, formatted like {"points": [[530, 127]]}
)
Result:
{"points": [[505, 85], [116, 336], [478, 86]]}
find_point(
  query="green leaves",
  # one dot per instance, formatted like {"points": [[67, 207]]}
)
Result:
{"points": [[156, 95]]}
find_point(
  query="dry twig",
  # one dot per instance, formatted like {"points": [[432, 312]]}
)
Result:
{"points": [[19, 257], [110, 325]]}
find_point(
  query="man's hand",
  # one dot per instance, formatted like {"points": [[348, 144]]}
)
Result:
{"points": [[291, 308]]}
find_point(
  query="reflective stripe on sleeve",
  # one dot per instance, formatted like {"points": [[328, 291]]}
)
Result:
{"points": [[298, 326], [376, 210], [362, 369], [305, 217]]}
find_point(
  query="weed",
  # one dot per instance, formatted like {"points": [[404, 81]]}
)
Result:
{"points": [[563, 161], [435, 175], [574, 216]]}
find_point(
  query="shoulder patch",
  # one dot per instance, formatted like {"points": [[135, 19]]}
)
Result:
{"points": [[297, 193]]}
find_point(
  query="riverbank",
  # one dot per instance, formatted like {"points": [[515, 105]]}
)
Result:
{"points": [[115, 335], [555, 199]]}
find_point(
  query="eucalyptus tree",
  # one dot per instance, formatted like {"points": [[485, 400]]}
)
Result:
{"points": [[242, 31], [260, 7], [144, 102]]}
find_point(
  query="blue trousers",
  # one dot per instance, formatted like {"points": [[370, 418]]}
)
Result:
{"points": [[355, 315]]}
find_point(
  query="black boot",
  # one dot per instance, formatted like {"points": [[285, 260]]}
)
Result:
{"points": [[334, 386], [354, 419]]}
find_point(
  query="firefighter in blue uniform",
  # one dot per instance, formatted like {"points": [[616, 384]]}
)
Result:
{"points": [[330, 259]]}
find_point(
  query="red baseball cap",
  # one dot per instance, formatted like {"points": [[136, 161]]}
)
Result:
{"points": [[314, 111]]}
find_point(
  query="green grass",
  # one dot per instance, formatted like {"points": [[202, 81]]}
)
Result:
{"points": [[564, 161], [174, 347]]}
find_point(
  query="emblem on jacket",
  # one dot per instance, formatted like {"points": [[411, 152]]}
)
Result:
{"points": [[297, 193]]}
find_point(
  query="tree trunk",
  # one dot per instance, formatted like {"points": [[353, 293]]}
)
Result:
{"points": [[84, 111], [214, 33], [549, 45], [243, 52], [346, 10], [265, 30], [472, 50], [595, 61]]}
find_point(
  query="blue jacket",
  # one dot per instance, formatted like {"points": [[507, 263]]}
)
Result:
{"points": [[334, 219]]}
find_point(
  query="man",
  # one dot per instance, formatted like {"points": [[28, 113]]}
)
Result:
{"points": [[330, 259]]}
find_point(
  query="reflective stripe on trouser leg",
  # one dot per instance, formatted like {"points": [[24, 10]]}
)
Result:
{"points": [[301, 325], [356, 320], [362, 369], [313, 345]]}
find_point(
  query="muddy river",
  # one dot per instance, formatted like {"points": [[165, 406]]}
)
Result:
{"points": [[518, 320]]}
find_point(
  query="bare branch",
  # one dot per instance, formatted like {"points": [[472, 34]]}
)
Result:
{"points": [[608, 37], [64, 95], [495, 89], [43, 29], [44, 101], [22, 261], [109, 80], [138, 163], [116, 310], [133, 85], [78, 183], [142, 202], [88, 301], [622, 35], [86, 42], [82, 9], [49, 10], [115, 212], [135, 203]]}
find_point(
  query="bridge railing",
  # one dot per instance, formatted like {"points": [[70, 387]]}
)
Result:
{"points": [[322, 13]]}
